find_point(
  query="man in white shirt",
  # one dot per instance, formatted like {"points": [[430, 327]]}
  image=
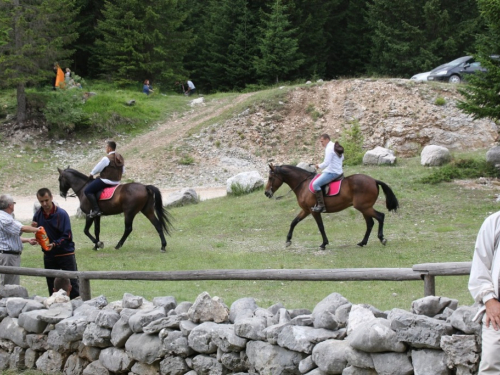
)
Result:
{"points": [[11, 243], [483, 286], [110, 169], [331, 166], [191, 89]]}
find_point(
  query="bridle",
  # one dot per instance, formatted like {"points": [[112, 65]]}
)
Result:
{"points": [[75, 192], [273, 176]]}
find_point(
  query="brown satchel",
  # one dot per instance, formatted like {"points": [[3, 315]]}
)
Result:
{"points": [[339, 150]]}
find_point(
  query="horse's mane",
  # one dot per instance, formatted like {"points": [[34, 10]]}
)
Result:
{"points": [[289, 169], [76, 173]]}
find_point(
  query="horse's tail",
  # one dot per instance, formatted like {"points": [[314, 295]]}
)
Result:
{"points": [[161, 212], [391, 201]]}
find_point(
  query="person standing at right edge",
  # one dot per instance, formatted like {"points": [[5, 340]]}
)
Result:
{"points": [[483, 286]]}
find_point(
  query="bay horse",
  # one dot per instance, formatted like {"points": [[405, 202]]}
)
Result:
{"points": [[358, 190], [130, 198]]}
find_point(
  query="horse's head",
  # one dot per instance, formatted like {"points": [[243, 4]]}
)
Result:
{"points": [[64, 183], [274, 182]]}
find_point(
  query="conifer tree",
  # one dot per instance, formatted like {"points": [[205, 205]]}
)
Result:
{"points": [[142, 39], [35, 33], [278, 45], [482, 99]]}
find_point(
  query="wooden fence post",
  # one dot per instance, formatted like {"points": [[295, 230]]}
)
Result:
{"points": [[85, 288], [429, 285]]}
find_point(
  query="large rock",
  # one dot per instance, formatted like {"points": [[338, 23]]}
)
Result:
{"points": [[129, 301], [246, 181], [181, 198], [10, 330], [203, 364], [376, 336], [51, 362], [429, 362], [7, 291], [107, 318], [435, 155], [95, 368], [17, 359], [59, 343], [327, 314], [120, 333], [462, 352], [96, 336], [177, 344], [242, 308], [37, 342], [142, 318], [4, 360], [433, 305], [234, 361], [330, 356], [419, 331], [461, 319], [271, 359], [115, 360], [353, 370], [173, 366], [144, 348], [251, 327], [358, 315], [378, 156], [302, 339], [226, 340], [207, 309], [15, 306], [143, 369], [201, 338], [75, 365], [30, 358], [169, 303], [358, 358], [392, 363], [56, 313], [492, 156], [30, 322], [72, 329]]}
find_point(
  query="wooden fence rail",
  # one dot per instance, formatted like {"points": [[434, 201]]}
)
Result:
{"points": [[426, 272]]}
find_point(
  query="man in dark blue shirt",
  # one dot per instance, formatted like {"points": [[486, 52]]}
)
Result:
{"points": [[61, 253]]}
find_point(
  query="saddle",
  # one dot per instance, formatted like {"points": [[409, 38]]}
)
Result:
{"points": [[330, 189], [107, 193]]}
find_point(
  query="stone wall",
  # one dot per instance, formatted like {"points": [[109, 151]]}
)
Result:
{"points": [[139, 337]]}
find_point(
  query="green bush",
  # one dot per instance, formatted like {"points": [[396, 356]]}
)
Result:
{"points": [[186, 160], [352, 141], [461, 169], [440, 101], [63, 112]]}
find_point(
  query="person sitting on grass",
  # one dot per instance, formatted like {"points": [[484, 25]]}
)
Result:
{"points": [[146, 89]]}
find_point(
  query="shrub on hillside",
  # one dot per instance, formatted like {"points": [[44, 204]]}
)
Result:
{"points": [[352, 141], [64, 113], [461, 169]]}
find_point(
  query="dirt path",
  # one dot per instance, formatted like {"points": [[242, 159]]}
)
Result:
{"points": [[25, 205]]}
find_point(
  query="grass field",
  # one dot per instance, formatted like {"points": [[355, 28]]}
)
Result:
{"points": [[435, 223]]}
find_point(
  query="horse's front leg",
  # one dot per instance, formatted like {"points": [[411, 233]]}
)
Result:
{"points": [[321, 227], [86, 230], [97, 230], [301, 216]]}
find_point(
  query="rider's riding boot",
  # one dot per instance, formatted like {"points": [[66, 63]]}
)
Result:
{"points": [[320, 205], [95, 211]]}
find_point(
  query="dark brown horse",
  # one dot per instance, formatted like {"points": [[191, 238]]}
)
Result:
{"points": [[359, 190], [129, 198]]}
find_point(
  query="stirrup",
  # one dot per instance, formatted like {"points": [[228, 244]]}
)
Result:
{"points": [[94, 214], [319, 209]]}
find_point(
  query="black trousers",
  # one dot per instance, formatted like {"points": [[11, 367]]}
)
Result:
{"points": [[65, 263]]}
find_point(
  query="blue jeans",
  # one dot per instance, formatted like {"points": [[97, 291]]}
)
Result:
{"points": [[324, 179]]}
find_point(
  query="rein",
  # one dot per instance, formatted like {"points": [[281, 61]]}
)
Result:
{"points": [[295, 188]]}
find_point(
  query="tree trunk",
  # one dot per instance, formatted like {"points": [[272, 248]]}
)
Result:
{"points": [[21, 104]]}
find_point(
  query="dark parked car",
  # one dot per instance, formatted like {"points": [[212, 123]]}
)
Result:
{"points": [[455, 71]]}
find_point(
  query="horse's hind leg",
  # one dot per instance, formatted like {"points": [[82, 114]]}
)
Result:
{"points": [[379, 216], [129, 219], [156, 223], [321, 227], [303, 214]]}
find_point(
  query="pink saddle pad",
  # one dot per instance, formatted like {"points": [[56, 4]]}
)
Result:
{"points": [[333, 187], [107, 193]]}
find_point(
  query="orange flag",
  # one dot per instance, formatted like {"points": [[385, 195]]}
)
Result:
{"points": [[59, 78]]}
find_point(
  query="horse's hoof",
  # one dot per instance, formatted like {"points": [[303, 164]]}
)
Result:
{"points": [[118, 246], [162, 250], [361, 244], [384, 241], [288, 243], [100, 245], [95, 248], [322, 247]]}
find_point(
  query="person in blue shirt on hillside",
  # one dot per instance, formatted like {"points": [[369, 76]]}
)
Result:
{"points": [[146, 89]]}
